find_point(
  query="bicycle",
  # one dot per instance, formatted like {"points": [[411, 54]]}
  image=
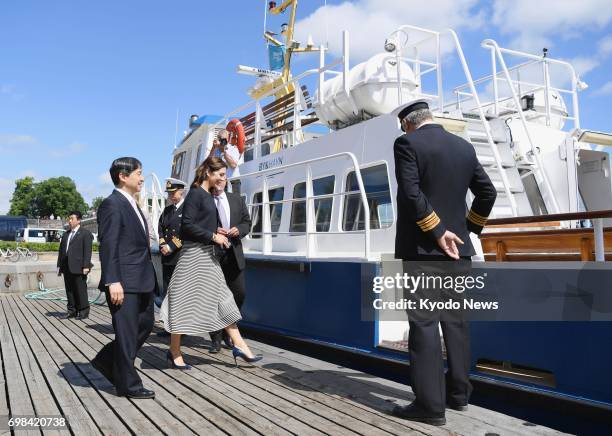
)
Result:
{"points": [[9, 254], [26, 254]]}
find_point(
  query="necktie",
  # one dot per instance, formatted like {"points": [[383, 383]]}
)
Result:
{"points": [[69, 239], [222, 215]]}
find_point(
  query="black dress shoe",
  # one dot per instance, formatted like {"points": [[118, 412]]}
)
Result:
{"points": [[214, 348], [415, 413], [68, 315], [140, 394], [456, 406], [83, 315], [103, 370]]}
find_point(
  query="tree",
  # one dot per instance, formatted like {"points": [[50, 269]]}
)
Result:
{"points": [[96, 202], [22, 202], [56, 196]]}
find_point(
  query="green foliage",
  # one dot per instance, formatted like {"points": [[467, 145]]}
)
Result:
{"points": [[36, 246], [96, 202], [22, 202], [56, 196]]}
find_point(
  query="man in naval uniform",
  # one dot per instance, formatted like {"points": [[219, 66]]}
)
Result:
{"points": [[434, 170], [168, 230]]}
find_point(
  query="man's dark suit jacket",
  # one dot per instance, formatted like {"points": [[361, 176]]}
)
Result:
{"points": [[239, 218], [434, 170], [124, 246], [79, 252]]}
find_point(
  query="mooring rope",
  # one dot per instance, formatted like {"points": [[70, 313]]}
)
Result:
{"points": [[51, 295]]}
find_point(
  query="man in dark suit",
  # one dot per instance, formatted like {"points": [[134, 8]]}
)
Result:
{"points": [[74, 262], [169, 230], [235, 223], [128, 278], [434, 170]]}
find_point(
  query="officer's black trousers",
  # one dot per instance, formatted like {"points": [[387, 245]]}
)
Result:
{"points": [[76, 291], [132, 321], [431, 387]]}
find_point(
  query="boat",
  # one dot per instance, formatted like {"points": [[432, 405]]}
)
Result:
{"points": [[312, 251]]}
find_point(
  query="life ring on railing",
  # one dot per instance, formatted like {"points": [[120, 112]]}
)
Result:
{"points": [[236, 134]]}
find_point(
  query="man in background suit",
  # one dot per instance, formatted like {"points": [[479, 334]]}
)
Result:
{"points": [[74, 262], [235, 223], [128, 278], [434, 170]]}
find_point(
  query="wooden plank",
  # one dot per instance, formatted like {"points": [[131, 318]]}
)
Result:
{"points": [[318, 375], [132, 412], [155, 356], [20, 402], [95, 405], [200, 410], [67, 401]]}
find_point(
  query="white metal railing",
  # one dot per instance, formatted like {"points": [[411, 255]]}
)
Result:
{"points": [[539, 167], [154, 209], [310, 198], [439, 91], [524, 86]]}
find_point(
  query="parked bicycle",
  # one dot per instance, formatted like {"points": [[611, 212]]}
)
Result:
{"points": [[9, 254], [26, 253]]}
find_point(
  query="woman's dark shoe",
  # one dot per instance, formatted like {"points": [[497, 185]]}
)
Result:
{"points": [[237, 352], [171, 364]]}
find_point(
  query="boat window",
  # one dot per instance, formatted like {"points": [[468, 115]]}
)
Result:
{"points": [[199, 157], [276, 211], [177, 165], [376, 184], [322, 206], [248, 154], [265, 149]]}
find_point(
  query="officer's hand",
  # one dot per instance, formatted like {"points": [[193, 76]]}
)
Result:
{"points": [[221, 241], [222, 231], [165, 250], [116, 293], [448, 243], [233, 232]]}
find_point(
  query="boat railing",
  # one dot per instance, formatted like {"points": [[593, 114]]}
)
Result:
{"points": [[311, 232], [523, 87], [431, 34], [151, 199], [520, 223]]}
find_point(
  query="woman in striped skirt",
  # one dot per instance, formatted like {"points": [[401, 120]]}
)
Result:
{"points": [[198, 299]]}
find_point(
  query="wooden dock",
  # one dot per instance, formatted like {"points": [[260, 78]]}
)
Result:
{"points": [[46, 371]]}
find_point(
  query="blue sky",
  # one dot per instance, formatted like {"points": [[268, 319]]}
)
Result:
{"points": [[82, 83]]}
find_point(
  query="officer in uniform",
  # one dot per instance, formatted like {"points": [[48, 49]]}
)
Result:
{"points": [[169, 230], [434, 170]]}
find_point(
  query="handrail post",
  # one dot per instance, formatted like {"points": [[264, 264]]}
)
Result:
{"points": [[257, 137], [266, 227], [439, 75], [598, 236], [310, 240], [398, 60], [546, 89], [495, 90], [321, 74]]}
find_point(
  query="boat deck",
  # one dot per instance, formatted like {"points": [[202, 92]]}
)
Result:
{"points": [[45, 371]]}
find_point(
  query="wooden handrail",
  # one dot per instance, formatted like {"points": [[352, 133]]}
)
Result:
{"points": [[553, 217]]}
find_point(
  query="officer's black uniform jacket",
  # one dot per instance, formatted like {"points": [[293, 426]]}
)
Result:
{"points": [[434, 170], [169, 229]]}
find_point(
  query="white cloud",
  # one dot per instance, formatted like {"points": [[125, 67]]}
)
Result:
{"points": [[105, 178], [370, 22], [534, 25], [606, 89], [65, 152], [7, 187], [605, 47], [9, 140], [583, 65]]}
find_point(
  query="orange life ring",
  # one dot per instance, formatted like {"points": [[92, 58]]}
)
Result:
{"points": [[236, 134]]}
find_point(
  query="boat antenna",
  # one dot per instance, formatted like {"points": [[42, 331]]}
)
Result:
{"points": [[265, 15], [326, 24]]}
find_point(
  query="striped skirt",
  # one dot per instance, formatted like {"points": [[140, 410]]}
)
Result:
{"points": [[198, 299]]}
